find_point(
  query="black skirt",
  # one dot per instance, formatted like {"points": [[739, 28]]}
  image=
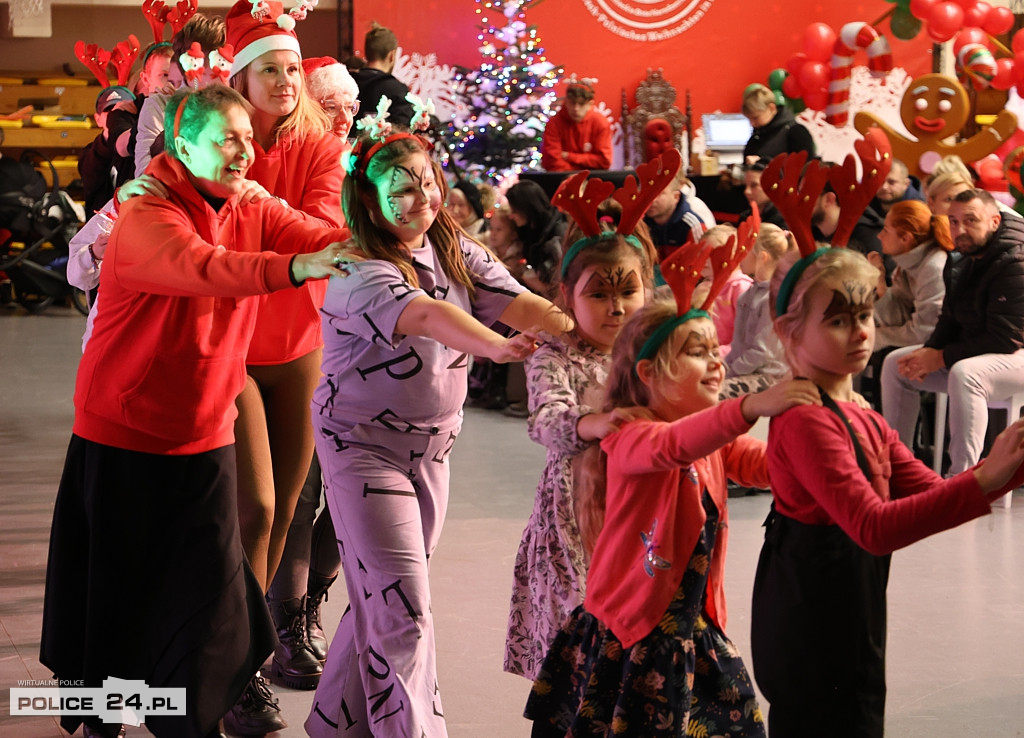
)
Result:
{"points": [[818, 632], [147, 579]]}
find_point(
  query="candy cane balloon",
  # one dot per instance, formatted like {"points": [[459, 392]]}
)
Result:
{"points": [[975, 62], [853, 36]]}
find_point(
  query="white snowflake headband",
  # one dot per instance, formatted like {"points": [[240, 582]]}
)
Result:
{"points": [[379, 131]]}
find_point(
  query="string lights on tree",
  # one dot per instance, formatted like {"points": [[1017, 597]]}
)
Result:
{"points": [[507, 100]]}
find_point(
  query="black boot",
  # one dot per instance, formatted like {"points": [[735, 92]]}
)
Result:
{"points": [[294, 663], [317, 592], [256, 712]]}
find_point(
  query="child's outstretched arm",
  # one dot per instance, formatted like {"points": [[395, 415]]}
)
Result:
{"points": [[778, 398], [457, 329], [595, 426], [530, 313], [1005, 463]]}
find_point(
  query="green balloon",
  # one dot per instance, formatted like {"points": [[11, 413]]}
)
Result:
{"points": [[795, 104], [776, 78], [904, 25], [780, 99]]}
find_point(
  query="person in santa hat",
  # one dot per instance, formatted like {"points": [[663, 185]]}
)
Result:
{"points": [[297, 162]]}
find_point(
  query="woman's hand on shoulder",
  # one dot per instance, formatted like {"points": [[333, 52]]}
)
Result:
{"points": [[328, 262], [778, 398], [144, 184], [253, 191]]}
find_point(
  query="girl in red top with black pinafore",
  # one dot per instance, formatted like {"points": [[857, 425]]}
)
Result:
{"points": [[646, 654], [846, 493]]}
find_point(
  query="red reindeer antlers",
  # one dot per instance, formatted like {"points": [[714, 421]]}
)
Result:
{"points": [[580, 201], [681, 271], [158, 15], [875, 156], [795, 198], [653, 177], [97, 59]]}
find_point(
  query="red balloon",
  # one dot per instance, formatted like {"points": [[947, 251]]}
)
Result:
{"points": [[1018, 42], [966, 4], [1005, 75], [1017, 139], [976, 13], [922, 9], [816, 100], [939, 37], [970, 36], [998, 21], [946, 19], [814, 76], [796, 63], [819, 42], [791, 87]]}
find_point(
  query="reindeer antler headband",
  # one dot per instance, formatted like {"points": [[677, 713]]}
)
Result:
{"points": [[682, 272], [795, 198], [579, 198], [379, 132]]}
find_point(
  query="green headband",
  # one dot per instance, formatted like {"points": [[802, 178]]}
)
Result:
{"points": [[789, 281], [663, 331], [581, 244]]}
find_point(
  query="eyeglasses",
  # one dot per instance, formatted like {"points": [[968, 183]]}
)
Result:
{"points": [[334, 108]]}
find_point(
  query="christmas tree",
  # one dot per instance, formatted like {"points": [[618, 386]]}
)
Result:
{"points": [[506, 102]]}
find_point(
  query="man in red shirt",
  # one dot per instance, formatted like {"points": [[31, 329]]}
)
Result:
{"points": [[577, 136]]}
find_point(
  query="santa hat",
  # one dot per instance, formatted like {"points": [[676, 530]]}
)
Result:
{"points": [[254, 28], [317, 62]]}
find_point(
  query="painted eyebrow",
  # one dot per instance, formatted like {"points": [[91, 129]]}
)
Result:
{"points": [[919, 90], [947, 91]]}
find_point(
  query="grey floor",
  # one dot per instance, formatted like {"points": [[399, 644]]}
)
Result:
{"points": [[956, 601]]}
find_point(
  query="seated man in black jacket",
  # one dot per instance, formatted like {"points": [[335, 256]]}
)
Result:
{"points": [[375, 79], [976, 352]]}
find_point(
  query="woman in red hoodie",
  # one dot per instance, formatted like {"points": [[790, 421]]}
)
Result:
{"points": [[145, 515]]}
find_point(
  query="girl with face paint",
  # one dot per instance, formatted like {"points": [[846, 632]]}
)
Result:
{"points": [[647, 651], [601, 287], [846, 494], [386, 415]]}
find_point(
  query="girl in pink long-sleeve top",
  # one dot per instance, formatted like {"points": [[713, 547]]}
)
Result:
{"points": [[846, 494]]}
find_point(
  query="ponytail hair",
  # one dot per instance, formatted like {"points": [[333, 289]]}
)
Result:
{"points": [[914, 217]]}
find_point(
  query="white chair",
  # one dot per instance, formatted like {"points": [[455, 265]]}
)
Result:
{"points": [[1012, 405]]}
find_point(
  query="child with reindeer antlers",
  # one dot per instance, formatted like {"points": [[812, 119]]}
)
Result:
{"points": [[386, 414], [646, 654], [846, 491], [606, 276]]}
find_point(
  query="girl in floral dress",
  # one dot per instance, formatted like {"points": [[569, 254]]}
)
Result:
{"points": [[604, 280], [630, 660]]}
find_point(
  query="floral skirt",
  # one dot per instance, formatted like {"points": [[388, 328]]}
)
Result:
{"points": [[684, 678]]}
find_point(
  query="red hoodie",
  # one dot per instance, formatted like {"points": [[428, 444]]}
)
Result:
{"points": [[308, 177], [167, 354]]}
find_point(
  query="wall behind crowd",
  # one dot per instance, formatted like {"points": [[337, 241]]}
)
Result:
{"points": [[727, 44]]}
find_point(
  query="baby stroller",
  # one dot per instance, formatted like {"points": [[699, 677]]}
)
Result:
{"points": [[36, 224]]}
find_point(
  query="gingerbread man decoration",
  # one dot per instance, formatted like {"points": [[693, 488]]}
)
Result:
{"points": [[933, 108]]}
